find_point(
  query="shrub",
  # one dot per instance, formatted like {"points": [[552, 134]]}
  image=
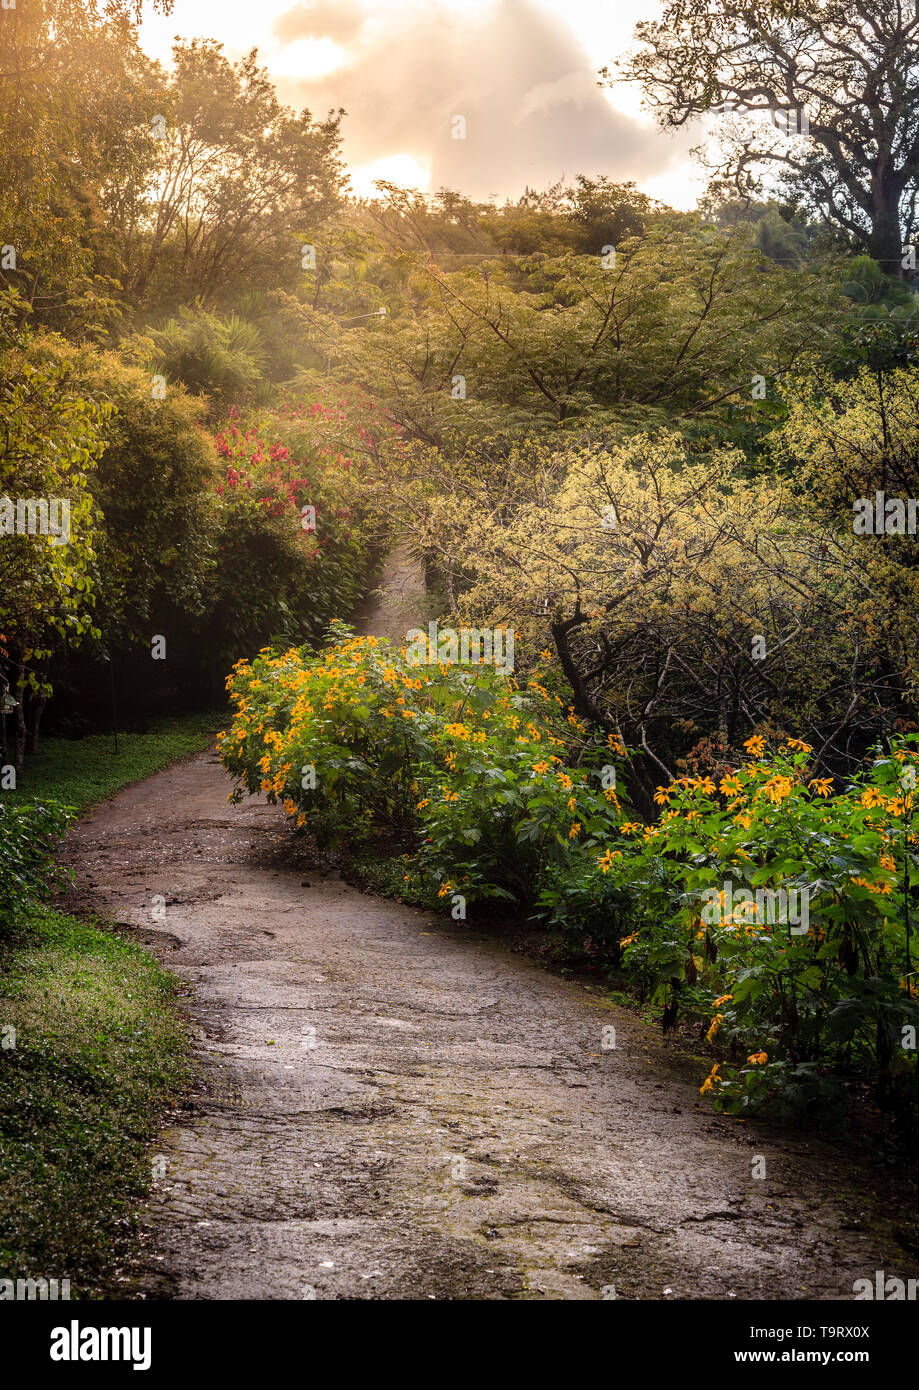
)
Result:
{"points": [[458, 754], [282, 576], [153, 487], [27, 841], [222, 358], [816, 984]]}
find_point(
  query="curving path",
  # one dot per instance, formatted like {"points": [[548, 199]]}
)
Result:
{"points": [[398, 1108]]}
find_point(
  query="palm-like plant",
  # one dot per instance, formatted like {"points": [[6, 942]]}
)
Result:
{"points": [[222, 358]]}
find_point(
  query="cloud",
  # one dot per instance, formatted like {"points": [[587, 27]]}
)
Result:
{"points": [[513, 70], [340, 20]]}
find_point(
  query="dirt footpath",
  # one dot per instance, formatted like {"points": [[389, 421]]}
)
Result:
{"points": [[395, 1108]]}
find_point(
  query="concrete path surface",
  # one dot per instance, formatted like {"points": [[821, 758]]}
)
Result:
{"points": [[400, 1108]]}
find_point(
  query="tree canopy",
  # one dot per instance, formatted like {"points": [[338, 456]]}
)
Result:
{"points": [[831, 92]]}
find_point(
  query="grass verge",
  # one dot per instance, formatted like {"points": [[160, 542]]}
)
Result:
{"points": [[98, 1055], [80, 772], [92, 1050]]}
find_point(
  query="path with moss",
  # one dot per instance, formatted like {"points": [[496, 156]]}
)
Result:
{"points": [[392, 1106]]}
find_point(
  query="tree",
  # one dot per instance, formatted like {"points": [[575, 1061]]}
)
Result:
{"points": [[686, 605], [605, 213], [851, 67], [76, 103], [239, 180], [674, 321], [851, 443], [50, 441]]}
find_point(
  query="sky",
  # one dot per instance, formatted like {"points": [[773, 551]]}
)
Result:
{"points": [[521, 73]]}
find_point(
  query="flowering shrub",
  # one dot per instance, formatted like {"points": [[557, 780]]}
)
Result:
{"points": [[781, 916], [359, 733], [283, 572]]}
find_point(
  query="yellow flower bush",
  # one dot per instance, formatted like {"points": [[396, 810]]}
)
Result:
{"points": [[326, 735]]}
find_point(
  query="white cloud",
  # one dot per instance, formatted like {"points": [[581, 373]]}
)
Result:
{"points": [[523, 73]]}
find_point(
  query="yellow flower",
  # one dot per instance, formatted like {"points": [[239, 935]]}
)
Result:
{"points": [[713, 1027], [755, 745], [712, 1080], [881, 888], [627, 827], [575, 831], [627, 940], [798, 745], [871, 797], [777, 788], [606, 859], [546, 654], [822, 785], [661, 797], [758, 1059], [729, 785], [725, 997]]}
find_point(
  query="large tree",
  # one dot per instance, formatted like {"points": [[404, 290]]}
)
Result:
{"points": [[850, 66], [240, 184], [676, 321], [76, 103]]}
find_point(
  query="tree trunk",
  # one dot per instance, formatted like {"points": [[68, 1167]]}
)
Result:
{"points": [[36, 710], [19, 755], [885, 244]]}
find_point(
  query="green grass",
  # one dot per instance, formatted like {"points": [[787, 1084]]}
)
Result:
{"points": [[80, 772], [99, 1053], [100, 1050]]}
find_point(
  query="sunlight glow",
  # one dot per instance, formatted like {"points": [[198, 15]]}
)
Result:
{"points": [[404, 169]]}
